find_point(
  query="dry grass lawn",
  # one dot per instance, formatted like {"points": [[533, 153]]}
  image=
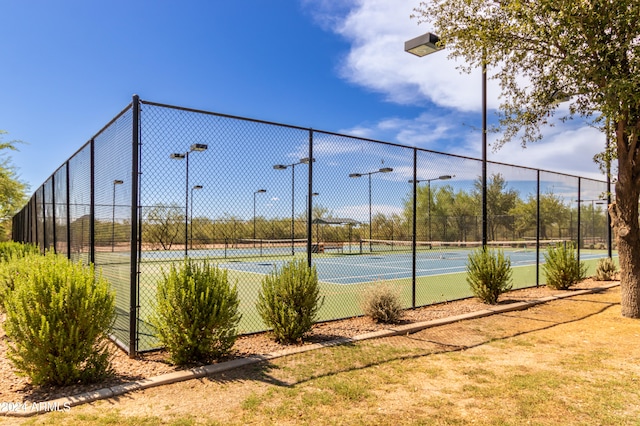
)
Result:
{"points": [[574, 361]]}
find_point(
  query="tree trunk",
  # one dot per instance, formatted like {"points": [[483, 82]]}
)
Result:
{"points": [[624, 220]]}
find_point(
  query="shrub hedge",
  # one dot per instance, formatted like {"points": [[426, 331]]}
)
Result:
{"points": [[58, 319]]}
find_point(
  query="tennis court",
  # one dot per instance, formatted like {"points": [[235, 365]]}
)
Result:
{"points": [[131, 201], [369, 261]]}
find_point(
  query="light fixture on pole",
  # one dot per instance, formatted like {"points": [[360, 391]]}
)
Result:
{"points": [[423, 45], [196, 147], [259, 191], [429, 43], [113, 213], [305, 160], [191, 216], [357, 175], [443, 177]]}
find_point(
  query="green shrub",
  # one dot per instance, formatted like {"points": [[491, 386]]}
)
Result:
{"points": [[13, 250], [606, 269], [381, 303], [58, 319], [196, 313], [289, 301], [489, 274], [562, 267], [10, 266]]}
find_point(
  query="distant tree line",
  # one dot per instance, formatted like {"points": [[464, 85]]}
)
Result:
{"points": [[442, 214]]}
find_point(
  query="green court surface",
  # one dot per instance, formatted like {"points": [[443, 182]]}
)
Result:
{"points": [[437, 281]]}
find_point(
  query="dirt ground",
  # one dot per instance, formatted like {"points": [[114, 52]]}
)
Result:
{"points": [[14, 388]]}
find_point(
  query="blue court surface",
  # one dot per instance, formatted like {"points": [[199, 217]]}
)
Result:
{"points": [[356, 269]]}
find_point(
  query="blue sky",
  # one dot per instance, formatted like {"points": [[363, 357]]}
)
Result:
{"points": [[336, 65]]}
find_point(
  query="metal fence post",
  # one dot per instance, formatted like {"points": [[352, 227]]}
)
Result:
{"points": [[53, 213], [310, 198], [579, 219], [538, 229], [133, 289], [68, 208], [92, 204], [485, 219], [414, 230], [44, 217]]}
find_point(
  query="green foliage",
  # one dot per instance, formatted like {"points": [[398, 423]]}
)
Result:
{"points": [[500, 201], [10, 250], [289, 301], [163, 225], [489, 274], [381, 303], [554, 215], [606, 269], [526, 49], [12, 190], [196, 313], [9, 268], [525, 46], [562, 267], [58, 319]]}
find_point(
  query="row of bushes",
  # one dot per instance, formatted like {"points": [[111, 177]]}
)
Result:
{"points": [[290, 299], [196, 315], [489, 275], [489, 271], [59, 314]]}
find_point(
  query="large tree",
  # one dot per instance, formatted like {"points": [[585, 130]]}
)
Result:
{"points": [[500, 201], [541, 50], [162, 225], [12, 190]]}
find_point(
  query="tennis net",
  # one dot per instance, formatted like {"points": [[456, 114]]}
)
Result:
{"points": [[266, 243], [452, 247]]}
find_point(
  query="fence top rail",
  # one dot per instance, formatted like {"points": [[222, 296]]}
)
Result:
{"points": [[291, 126], [273, 123], [113, 120]]}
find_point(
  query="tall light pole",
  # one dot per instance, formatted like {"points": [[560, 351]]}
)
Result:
{"points": [[357, 175], [293, 168], [259, 191], [191, 216], [443, 177], [113, 213], [427, 44], [196, 147]]}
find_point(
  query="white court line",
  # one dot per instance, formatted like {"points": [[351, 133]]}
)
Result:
{"points": [[460, 269]]}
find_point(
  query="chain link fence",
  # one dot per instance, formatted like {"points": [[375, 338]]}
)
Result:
{"points": [[159, 183]]}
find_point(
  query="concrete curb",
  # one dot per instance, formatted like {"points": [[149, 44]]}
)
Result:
{"points": [[65, 403]]}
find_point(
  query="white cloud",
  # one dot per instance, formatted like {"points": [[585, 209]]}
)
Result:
{"points": [[570, 150], [425, 131], [376, 31]]}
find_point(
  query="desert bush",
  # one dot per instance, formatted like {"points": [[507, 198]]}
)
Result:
{"points": [[381, 303], [10, 250], [606, 269], [10, 266], [58, 319], [196, 313], [562, 267], [489, 274], [289, 301]]}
